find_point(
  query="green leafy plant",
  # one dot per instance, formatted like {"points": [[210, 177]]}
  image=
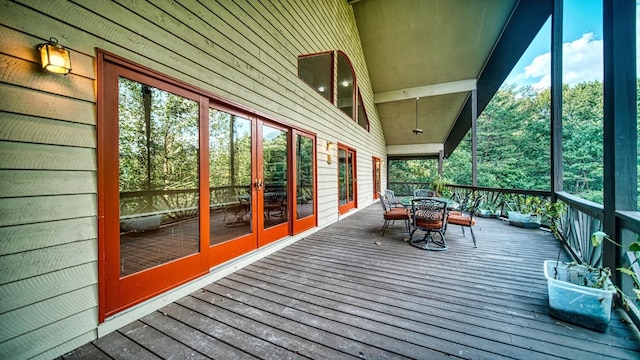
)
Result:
{"points": [[602, 274], [439, 185]]}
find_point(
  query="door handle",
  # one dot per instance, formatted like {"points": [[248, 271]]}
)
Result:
{"points": [[258, 183]]}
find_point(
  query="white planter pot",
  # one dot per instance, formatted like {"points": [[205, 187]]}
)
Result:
{"points": [[140, 224], [575, 303]]}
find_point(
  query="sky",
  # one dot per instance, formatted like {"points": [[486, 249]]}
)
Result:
{"points": [[582, 48]]}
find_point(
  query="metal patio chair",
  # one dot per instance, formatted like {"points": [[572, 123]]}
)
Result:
{"points": [[390, 214], [430, 216]]}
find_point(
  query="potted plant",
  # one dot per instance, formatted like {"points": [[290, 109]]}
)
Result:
{"points": [[486, 213], [439, 185], [524, 220], [582, 294]]}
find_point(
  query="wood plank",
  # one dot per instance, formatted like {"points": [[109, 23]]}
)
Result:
{"points": [[35, 316], [312, 340], [86, 352], [506, 339], [37, 262], [29, 102], [347, 291], [19, 238], [154, 341], [395, 338], [119, 346], [31, 129], [215, 322], [42, 182], [30, 75], [24, 46], [73, 344], [45, 157], [38, 288], [18, 211], [194, 338], [38, 341]]}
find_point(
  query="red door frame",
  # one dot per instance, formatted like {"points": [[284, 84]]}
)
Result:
{"points": [[376, 182], [117, 293], [276, 232], [233, 248], [342, 209], [307, 222]]}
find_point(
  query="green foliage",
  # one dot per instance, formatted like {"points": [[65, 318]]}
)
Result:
{"points": [[597, 238], [514, 142]]}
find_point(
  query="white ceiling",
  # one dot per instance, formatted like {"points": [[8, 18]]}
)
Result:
{"points": [[431, 49]]}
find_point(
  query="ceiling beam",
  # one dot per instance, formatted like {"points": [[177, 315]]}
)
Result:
{"points": [[424, 91], [414, 149]]}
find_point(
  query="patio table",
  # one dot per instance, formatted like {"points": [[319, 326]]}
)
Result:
{"points": [[406, 201]]}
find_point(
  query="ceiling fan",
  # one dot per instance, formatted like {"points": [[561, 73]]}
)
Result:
{"points": [[417, 130]]}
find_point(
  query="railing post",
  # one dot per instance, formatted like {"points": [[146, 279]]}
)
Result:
{"points": [[556, 99], [620, 123], [474, 137]]}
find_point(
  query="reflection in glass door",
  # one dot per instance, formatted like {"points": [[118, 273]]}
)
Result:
{"points": [[230, 165], [273, 184], [158, 176], [304, 183], [232, 226], [346, 179], [377, 188]]}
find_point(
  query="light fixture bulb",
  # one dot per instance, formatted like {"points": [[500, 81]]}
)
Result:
{"points": [[55, 58], [321, 88], [345, 83]]}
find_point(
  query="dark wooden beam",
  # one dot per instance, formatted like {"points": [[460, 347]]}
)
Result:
{"points": [[556, 98], [474, 138], [620, 122], [523, 26]]}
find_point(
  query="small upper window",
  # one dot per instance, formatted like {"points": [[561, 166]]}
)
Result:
{"points": [[346, 85], [316, 70], [363, 120]]}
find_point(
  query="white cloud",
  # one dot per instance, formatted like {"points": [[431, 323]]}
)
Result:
{"points": [[582, 61]]}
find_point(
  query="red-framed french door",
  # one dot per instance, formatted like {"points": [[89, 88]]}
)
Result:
{"points": [[377, 177], [347, 193], [272, 182], [152, 170], [232, 168], [186, 183], [304, 207]]}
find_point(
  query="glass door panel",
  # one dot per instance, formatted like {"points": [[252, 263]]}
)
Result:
{"points": [[230, 164], [304, 177], [274, 176], [158, 176], [346, 179], [377, 177], [342, 177]]}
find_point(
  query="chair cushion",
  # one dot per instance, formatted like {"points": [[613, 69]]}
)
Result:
{"points": [[426, 219], [396, 214], [461, 220], [428, 224]]}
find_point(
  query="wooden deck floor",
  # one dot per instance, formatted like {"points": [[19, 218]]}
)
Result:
{"points": [[348, 293]]}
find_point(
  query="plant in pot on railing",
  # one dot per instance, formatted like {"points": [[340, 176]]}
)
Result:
{"points": [[582, 294], [528, 216], [439, 185], [487, 210]]}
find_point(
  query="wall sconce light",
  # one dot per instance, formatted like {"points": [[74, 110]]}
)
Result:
{"points": [[55, 57], [330, 147]]}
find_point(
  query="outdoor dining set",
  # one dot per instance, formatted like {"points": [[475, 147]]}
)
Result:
{"points": [[429, 214]]}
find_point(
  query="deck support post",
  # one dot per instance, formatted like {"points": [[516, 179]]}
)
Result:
{"points": [[620, 125], [556, 99]]}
